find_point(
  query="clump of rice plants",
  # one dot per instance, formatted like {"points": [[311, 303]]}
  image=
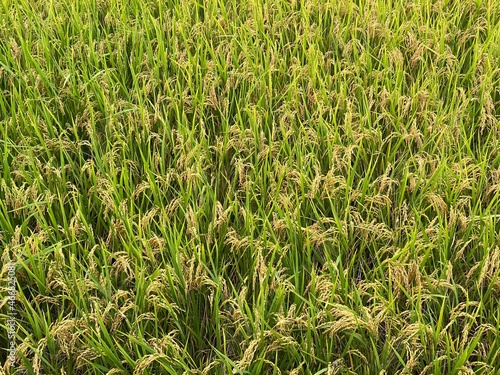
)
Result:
{"points": [[250, 187]]}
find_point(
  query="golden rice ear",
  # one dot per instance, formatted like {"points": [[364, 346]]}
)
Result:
{"points": [[298, 370], [437, 202], [248, 356], [143, 363], [339, 366]]}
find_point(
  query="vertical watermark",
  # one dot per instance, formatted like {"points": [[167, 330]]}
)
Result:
{"points": [[11, 322]]}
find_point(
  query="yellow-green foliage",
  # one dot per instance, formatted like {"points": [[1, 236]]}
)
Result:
{"points": [[251, 187]]}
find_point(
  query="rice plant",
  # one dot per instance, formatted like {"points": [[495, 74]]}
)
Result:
{"points": [[250, 187]]}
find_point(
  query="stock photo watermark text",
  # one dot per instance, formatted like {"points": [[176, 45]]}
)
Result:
{"points": [[11, 322]]}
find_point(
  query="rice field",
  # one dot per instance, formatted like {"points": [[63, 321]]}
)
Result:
{"points": [[250, 187]]}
